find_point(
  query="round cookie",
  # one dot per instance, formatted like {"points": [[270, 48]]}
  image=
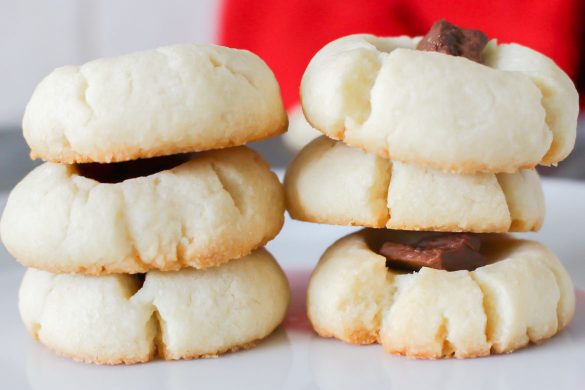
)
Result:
{"points": [[524, 295], [516, 110], [185, 314], [217, 206], [330, 182], [173, 99]]}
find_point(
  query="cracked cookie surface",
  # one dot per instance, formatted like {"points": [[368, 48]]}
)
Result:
{"points": [[217, 206], [516, 110], [186, 314], [330, 182], [525, 295], [174, 99]]}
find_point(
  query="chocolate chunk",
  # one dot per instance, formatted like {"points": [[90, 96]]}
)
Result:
{"points": [[120, 171], [450, 252], [447, 38]]}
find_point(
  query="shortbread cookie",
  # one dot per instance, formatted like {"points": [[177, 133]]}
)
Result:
{"points": [[218, 206], [523, 296], [515, 110], [330, 182], [174, 99], [185, 314]]}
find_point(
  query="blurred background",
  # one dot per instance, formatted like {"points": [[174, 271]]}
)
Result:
{"points": [[37, 36]]}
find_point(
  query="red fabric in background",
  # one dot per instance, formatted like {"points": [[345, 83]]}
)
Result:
{"points": [[287, 33]]}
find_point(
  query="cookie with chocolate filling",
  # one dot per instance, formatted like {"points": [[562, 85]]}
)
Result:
{"points": [[446, 100], [438, 295], [198, 210]]}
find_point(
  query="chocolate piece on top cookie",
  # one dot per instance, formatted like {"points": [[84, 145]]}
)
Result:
{"points": [[447, 38], [450, 252]]}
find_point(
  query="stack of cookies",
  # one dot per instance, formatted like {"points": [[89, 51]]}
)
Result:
{"points": [[433, 141], [144, 230]]}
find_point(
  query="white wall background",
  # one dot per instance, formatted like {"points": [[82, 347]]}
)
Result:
{"points": [[37, 35]]}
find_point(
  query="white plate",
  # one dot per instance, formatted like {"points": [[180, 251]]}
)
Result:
{"points": [[295, 358]]}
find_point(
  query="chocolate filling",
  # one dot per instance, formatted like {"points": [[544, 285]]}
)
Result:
{"points": [[120, 171], [450, 252], [447, 38]]}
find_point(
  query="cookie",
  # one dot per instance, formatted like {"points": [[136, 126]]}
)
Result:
{"points": [[173, 99], [185, 314], [524, 295], [515, 110], [330, 182], [217, 206]]}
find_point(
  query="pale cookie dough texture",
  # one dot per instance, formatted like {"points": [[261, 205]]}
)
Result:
{"points": [[218, 206], [185, 314], [332, 183], [178, 98], [516, 110], [525, 295]]}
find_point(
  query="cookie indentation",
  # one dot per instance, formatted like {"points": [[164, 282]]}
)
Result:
{"points": [[120, 171]]}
